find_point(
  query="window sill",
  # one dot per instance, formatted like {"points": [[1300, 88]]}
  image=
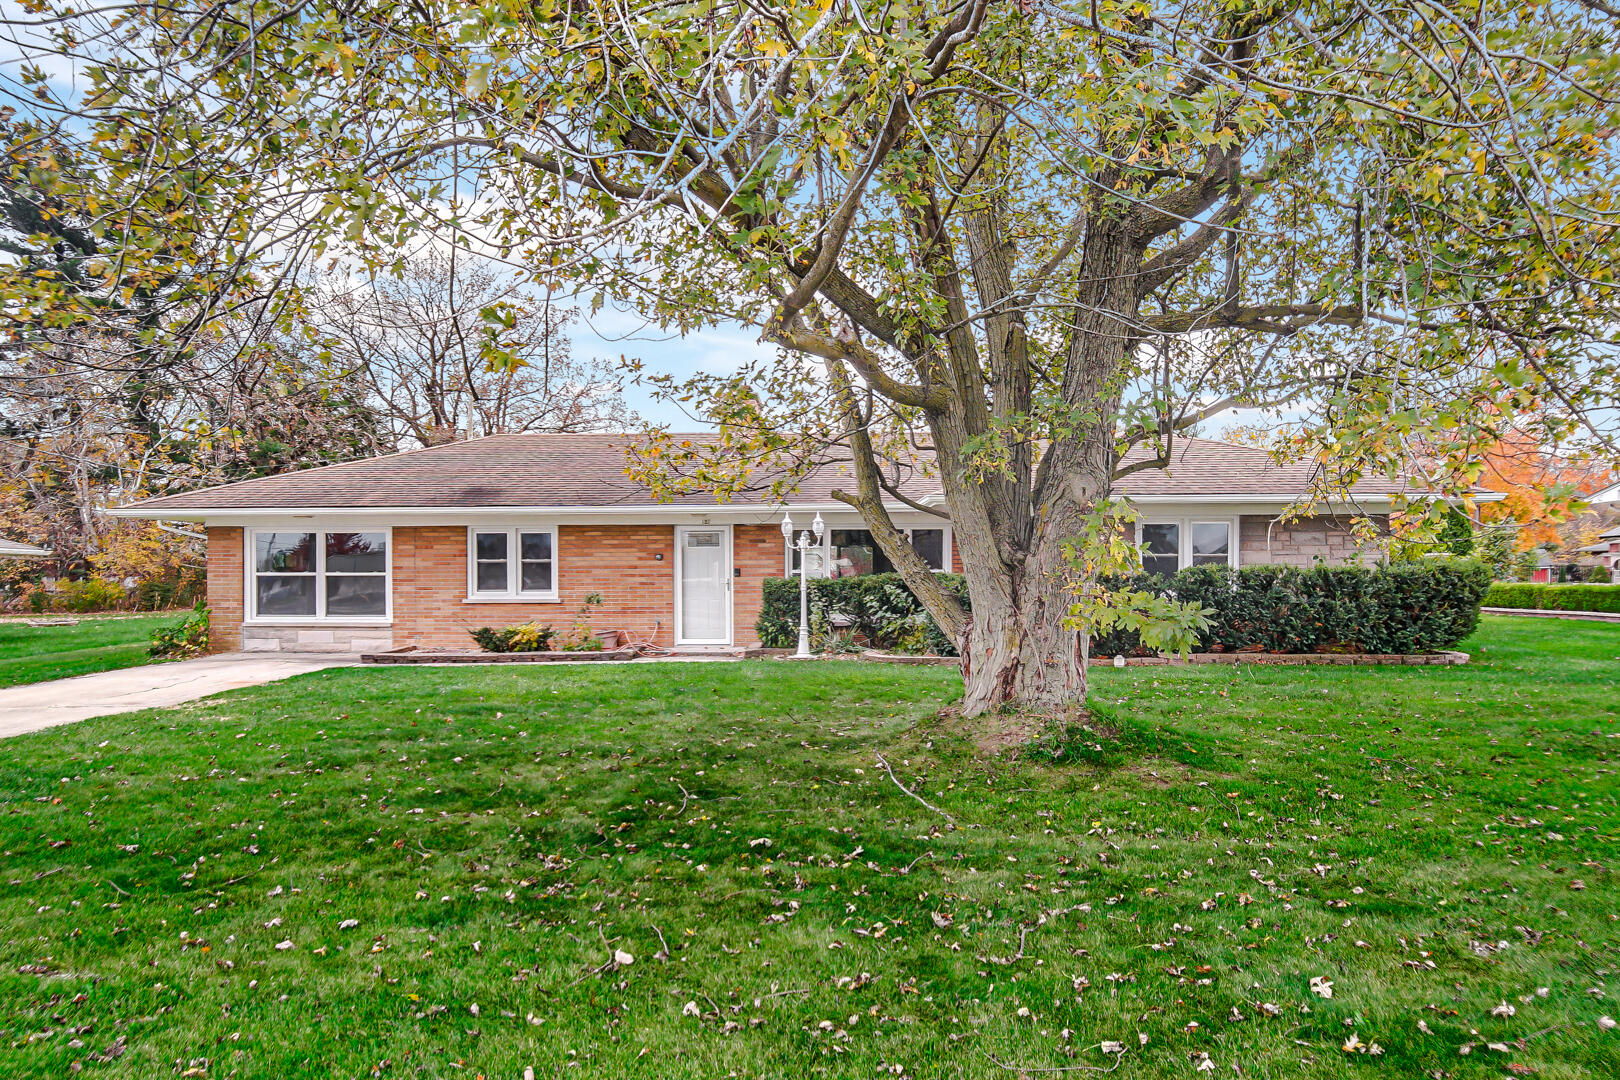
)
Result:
{"points": [[513, 600], [323, 624]]}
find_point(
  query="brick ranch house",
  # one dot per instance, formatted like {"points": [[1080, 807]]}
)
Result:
{"points": [[416, 548]]}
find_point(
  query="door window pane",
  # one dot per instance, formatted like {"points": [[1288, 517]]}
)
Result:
{"points": [[930, 544], [1161, 548], [285, 594], [1211, 543], [356, 553], [284, 552]]}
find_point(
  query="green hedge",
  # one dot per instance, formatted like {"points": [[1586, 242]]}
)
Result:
{"points": [[1555, 597], [880, 607], [1404, 608]]}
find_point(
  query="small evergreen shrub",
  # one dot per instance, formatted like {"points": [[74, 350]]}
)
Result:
{"points": [[1404, 608], [528, 637], [878, 608], [1599, 575], [188, 637]]}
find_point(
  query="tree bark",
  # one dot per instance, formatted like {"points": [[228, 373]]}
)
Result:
{"points": [[1020, 648]]}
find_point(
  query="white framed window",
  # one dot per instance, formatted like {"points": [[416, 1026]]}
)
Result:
{"points": [[1171, 544], [319, 575], [516, 563], [851, 552]]}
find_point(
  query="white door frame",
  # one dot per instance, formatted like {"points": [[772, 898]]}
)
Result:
{"points": [[680, 558]]}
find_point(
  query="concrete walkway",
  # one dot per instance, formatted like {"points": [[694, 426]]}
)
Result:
{"points": [[1589, 616], [64, 701]]}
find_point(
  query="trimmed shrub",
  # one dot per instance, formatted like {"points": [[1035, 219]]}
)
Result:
{"points": [[1401, 608], [877, 607], [1523, 595], [1581, 598], [1599, 575], [188, 637], [1555, 597], [529, 637], [1404, 608]]}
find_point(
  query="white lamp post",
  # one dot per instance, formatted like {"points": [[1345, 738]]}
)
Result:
{"points": [[803, 548]]}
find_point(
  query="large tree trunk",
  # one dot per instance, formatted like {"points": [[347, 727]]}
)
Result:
{"points": [[1021, 648]]}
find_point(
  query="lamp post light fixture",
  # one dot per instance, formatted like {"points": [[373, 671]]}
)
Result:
{"points": [[803, 546]]}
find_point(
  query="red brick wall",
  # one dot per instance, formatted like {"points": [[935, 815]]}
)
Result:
{"points": [[618, 561], [759, 553], [224, 589]]}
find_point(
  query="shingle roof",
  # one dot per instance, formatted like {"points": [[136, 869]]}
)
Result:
{"points": [[587, 471], [1202, 467], [10, 549]]}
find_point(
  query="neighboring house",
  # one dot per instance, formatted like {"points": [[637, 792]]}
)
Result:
{"points": [[417, 548], [10, 549], [1607, 549]]}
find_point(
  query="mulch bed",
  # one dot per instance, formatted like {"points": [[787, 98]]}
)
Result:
{"points": [[433, 656]]}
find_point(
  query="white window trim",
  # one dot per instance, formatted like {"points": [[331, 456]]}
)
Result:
{"points": [[825, 548], [250, 570], [512, 594], [1184, 533]]}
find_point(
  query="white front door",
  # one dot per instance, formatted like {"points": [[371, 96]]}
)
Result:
{"points": [[702, 585]]}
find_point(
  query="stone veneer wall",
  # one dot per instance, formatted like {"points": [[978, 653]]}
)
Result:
{"points": [[1303, 543]]}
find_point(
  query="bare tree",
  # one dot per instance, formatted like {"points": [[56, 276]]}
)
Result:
{"points": [[454, 348]]}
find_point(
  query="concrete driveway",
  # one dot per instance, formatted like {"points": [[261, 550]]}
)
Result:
{"points": [[63, 701]]}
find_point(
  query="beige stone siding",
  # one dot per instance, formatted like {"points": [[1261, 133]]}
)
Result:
{"points": [[1306, 542], [331, 638]]}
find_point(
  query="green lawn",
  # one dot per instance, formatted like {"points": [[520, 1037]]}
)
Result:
{"points": [[35, 653], [429, 872]]}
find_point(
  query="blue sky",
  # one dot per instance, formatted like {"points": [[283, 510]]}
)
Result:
{"points": [[613, 332]]}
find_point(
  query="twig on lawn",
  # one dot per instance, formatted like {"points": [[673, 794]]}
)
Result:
{"points": [[687, 797], [913, 864], [882, 761], [782, 993], [114, 884], [1056, 1068], [48, 873], [665, 945], [593, 971], [244, 877]]}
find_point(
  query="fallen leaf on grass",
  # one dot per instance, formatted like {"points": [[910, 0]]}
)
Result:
{"points": [[1321, 986]]}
